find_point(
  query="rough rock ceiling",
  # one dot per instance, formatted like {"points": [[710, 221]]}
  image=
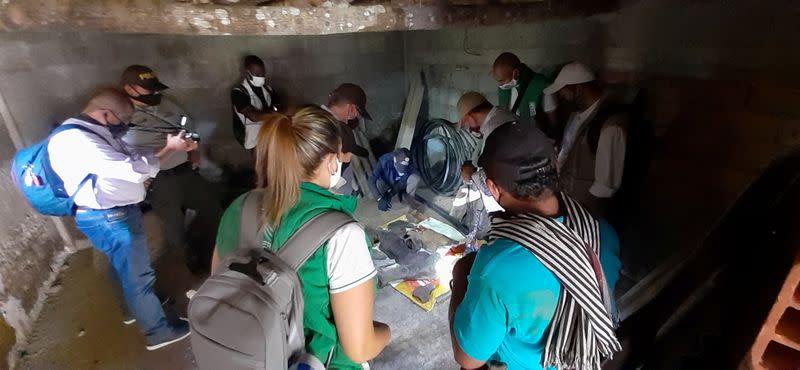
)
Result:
{"points": [[280, 17]]}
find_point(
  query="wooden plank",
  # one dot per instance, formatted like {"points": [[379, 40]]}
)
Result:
{"points": [[411, 112], [362, 167]]}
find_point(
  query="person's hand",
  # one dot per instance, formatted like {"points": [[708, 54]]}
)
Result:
{"points": [[148, 182], [179, 142], [467, 169], [384, 204]]}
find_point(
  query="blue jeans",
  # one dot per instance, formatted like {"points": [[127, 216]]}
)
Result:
{"points": [[119, 234]]}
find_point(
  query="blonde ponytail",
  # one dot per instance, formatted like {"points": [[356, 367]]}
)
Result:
{"points": [[288, 152]]}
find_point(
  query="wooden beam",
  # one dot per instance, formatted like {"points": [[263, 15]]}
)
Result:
{"points": [[362, 167], [411, 112], [173, 17]]}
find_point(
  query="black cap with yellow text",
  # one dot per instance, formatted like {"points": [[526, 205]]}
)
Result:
{"points": [[141, 76]]}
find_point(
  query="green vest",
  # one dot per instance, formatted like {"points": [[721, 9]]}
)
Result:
{"points": [[318, 325], [531, 85]]}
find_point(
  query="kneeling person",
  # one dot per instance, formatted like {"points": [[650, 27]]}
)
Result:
{"points": [[538, 294], [394, 175]]}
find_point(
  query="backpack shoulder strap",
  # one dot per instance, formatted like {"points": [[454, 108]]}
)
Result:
{"points": [[75, 126], [249, 224], [305, 241]]}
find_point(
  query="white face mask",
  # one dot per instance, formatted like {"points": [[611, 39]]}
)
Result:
{"points": [[336, 176], [404, 163], [509, 85], [489, 203], [257, 81]]}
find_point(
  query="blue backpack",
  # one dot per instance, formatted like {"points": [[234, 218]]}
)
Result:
{"points": [[40, 185]]}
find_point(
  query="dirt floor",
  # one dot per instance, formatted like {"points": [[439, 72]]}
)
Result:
{"points": [[81, 325]]}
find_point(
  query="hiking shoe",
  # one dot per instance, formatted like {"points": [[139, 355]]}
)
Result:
{"points": [[170, 334]]}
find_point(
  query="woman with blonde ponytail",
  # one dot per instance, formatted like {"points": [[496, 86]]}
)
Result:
{"points": [[298, 159]]}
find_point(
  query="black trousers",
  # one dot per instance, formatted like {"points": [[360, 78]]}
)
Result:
{"points": [[176, 190]]}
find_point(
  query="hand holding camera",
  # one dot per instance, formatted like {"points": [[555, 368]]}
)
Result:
{"points": [[180, 142]]}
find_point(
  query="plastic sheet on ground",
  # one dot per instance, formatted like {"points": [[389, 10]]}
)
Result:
{"points": [[436, 271], [442, 228]]}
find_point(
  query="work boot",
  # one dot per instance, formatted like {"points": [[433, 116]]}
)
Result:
{"points": [[170, 334]]}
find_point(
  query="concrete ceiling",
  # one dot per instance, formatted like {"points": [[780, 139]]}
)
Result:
{"points": [[280, 17]]}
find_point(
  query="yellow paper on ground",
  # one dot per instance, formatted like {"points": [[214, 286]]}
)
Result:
{"points": [[407, 287]]}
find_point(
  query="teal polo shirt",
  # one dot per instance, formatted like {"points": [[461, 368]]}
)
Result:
{"points": [[511, 298]]}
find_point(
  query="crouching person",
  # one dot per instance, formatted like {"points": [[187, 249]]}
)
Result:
{"points": [[538, 295], [297, 162], [394, 175]]}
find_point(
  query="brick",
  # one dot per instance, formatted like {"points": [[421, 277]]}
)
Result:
{"points": [[777, 345]]}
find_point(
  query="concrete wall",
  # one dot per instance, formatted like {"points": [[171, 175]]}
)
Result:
{"points": [[705, 39], [28, 244], [456, 60], [45, 78]]}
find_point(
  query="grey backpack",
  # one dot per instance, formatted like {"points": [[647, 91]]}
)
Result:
{"points": [[249, 313]]}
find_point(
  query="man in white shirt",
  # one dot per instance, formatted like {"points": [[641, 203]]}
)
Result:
{"points": [[251, 99], [591, 158], [178, 186], [107, 212], [481, 118]]}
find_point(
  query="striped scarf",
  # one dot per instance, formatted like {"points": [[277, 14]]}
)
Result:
{"points": [[581, 333]]}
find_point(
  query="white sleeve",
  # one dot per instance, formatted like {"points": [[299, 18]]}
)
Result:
{"points": [[609, 162], [100, 158], [349, 260]]}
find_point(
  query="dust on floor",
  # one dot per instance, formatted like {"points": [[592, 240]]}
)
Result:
{"points": [[81, 327]]}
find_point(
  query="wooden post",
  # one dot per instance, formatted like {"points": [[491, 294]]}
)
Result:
{"points": [[411, 112]]}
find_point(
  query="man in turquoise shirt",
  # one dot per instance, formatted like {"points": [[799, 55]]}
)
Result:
{"points": [[501, 314]]}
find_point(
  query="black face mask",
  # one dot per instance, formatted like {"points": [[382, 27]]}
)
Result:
{"points": [[151, 100], [119, 130]]}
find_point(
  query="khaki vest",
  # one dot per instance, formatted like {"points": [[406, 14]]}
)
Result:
{"points": [[577, 172]]}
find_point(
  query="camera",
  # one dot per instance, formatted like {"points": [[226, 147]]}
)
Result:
{"points": [[189, 135]]}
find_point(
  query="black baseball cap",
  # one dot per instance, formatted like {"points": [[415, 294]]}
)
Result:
{"points": [[517, 152], [349, 144], [355, 95], [141, 76]]}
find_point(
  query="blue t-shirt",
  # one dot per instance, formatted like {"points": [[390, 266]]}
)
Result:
{"points": [[511, 298]]}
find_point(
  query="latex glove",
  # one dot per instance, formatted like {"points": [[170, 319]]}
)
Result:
{"points": [[384, 204]]}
